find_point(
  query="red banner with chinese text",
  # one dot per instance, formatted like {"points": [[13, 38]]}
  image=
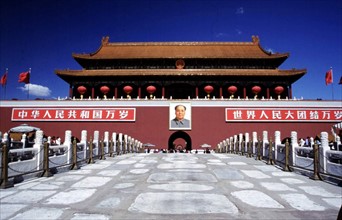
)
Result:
{"points": [[73, 114], [283, 114]]}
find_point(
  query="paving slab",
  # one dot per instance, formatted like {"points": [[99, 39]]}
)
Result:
{"points": [[172, 186]]}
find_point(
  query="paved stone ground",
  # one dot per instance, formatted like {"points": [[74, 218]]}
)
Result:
{"points": [[172, 186]]}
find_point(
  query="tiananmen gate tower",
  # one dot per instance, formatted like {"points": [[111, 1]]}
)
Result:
{"points": [[223, 88]]}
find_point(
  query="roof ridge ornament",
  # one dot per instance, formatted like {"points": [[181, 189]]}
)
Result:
{"points": [[105, 40], [255, 39]]}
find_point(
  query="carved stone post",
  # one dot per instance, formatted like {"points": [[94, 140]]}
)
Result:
{"points": [[240, 143], [264, 142], [106, 142], [294, 143], [84, 142], [235, 144], [246, 145], [325, 147], [120, 143], [255, 141], [114, 143], [96, 142], [277, 141], [39, 145]]}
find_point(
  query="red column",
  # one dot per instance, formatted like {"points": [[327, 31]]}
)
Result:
{"points": [[163, 91], [139, 92], [116, 92], [220, 92], [290, 92], [268, 92], [92, 92], [244, 92], [196, 91]]}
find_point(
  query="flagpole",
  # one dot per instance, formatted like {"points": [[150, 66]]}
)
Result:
{"points": [[28, 86], [332, 82]]}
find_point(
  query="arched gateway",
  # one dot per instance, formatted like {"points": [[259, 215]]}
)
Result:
{"points": [[180, 135]]}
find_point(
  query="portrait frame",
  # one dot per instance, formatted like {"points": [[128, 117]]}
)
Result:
{"points": [[187, 116]]}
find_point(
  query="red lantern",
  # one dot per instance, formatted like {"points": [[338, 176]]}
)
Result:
{"points": [[278, 90], [104, 89], [256, 89], [232, 89], [128, 90], [208, 89], [151, 90], [81, 90]]}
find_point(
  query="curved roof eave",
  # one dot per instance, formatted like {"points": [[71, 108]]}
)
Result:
{"points": [[183, 72]]}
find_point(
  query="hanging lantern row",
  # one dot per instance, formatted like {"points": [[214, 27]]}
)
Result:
{"points": [[151, 89]]}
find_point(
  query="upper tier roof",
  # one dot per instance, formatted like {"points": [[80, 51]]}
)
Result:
{"points": [[184, 50]]}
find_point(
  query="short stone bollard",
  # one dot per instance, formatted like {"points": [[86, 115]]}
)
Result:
{"points": [[111, 150], [270, 153], [46, 169], [4, 173], [287, 156], [91, 158], [259, 157], [74, 165], [316, 175]]}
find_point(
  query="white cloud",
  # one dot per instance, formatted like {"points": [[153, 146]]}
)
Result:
{"points": [[36, 90], [239, 11], [270, 50]]}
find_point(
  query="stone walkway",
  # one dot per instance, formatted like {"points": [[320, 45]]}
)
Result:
{"points": [[172, 186]]}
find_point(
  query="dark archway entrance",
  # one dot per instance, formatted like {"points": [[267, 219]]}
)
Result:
{"points": [[180, 135]]}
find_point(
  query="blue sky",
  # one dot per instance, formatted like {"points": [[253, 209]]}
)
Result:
{"points": [[43, 34]]}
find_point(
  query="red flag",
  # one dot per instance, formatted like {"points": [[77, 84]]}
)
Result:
{"points": [[329, 77], [24, 77], [3, 80]]}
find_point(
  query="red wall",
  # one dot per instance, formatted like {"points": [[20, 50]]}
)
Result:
{"points": [[152, 126]]}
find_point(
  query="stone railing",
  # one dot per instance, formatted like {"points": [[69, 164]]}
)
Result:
{"points": [[42, 157], [288, 154]]}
